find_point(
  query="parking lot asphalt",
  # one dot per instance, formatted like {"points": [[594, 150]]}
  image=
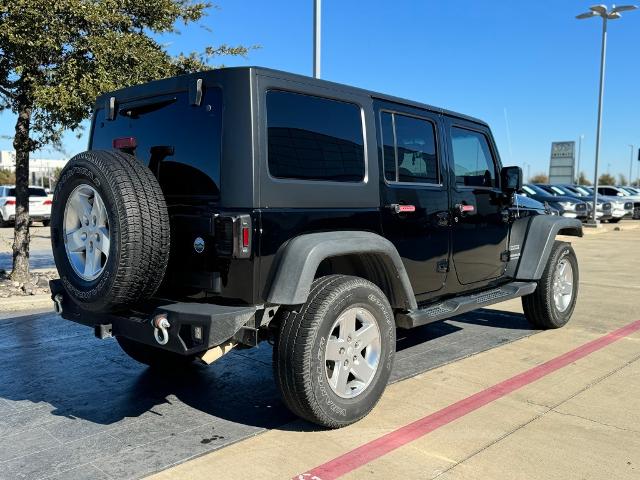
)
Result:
{"points": [[579, 420], [72, 406]]}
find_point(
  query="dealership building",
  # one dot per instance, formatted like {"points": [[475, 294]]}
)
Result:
{"points": [[39, 168]]}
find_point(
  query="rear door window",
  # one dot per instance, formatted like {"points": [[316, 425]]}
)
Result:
{"points": [[179, 142], [314, 138], [409, 149]]}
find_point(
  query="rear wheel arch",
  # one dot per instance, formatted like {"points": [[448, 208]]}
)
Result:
{"points": [[362, 254]]}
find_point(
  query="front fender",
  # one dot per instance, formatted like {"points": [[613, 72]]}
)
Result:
{"points": [[539, 239]]}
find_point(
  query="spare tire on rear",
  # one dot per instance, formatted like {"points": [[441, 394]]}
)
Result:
{"points": [[109, 230]]}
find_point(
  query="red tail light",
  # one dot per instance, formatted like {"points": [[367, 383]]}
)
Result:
{"points": [[10, 202], [245, 237], [47, 202], [125, 143]]}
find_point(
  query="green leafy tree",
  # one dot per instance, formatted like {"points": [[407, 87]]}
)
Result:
{"points": [[7, 177], [583, 180], [56, 56], [622, 179], [606, 179], [55, 177], [539, 178]]}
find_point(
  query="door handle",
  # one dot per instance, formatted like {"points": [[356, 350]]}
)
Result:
{"points": [[397, 208], [464, 209]]}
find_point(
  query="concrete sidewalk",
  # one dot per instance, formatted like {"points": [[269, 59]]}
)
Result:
{"points": [[582, 421]]}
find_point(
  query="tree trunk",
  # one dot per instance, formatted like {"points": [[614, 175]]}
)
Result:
{"points": [[21, 239]]}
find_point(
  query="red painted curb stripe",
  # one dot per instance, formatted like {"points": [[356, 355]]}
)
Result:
{"points": [[381, 446]]}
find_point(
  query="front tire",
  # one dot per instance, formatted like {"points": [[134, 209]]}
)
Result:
{"points": [[153, 356], [333, 358], [553, 302]]}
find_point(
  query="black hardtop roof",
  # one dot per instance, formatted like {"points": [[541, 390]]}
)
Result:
{"points": [[167, 85]]}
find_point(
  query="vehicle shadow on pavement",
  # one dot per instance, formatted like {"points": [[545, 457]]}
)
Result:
{"points": [[489, 318], [58, 377]]}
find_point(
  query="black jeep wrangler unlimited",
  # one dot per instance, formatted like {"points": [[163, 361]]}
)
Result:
{"points": [[219, 209]]}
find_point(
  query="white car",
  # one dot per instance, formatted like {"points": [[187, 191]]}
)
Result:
{"points": [[39, 205]]}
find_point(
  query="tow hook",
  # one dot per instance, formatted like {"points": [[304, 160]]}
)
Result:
{"points": [[160, 326], [57, 303]]}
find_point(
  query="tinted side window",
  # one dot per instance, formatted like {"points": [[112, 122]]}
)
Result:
{"points": [[474, 165], [313, 138], [388, 146], [409, 149]]}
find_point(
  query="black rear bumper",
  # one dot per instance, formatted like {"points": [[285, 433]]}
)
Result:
{"points": [[218, 323]]}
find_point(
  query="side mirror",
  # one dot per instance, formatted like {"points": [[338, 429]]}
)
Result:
{"points": [[511, 179]]}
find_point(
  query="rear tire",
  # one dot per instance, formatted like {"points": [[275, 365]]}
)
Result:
{"points": [[3, 222], [153, 356], [333, 358], [614, 220], [551, 304]]}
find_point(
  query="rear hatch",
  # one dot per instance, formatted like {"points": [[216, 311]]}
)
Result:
{"points": [[39, 201], [180, 141]]}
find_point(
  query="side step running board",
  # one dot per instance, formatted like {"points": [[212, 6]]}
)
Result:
{"points": [[467, 303]]}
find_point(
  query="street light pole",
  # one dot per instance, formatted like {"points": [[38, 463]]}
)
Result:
{"points": [[631, 164], [579, 157], [317, 37], [605, 14], [603, 55]]}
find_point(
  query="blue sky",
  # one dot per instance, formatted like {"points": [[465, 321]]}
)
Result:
{"points": [[477, 57]]}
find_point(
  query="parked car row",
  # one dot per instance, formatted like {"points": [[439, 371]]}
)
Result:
{"points": [[576, 201], [39, 205]]}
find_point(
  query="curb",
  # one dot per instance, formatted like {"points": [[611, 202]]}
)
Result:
{"points": [[611, 227]]}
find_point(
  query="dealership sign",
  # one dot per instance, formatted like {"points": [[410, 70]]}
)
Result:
{"points": [[562, 167]]}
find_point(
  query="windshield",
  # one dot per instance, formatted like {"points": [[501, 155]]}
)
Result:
{"points": [[535, 190], [558, 190], [574, 190], [585, 190]]}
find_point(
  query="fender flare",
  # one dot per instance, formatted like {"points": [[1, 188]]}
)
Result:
{"points": [[297, 261], [539, 239]]}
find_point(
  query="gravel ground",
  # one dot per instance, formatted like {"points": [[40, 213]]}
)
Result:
{"points": [[38, 284]]}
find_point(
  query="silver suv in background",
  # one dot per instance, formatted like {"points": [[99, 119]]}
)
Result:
{"points": [[39, 205], [603, 207], [622, 204]]}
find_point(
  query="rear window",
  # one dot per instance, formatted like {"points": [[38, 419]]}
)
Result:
{"points": [[313, 138], [33, 192], [179, 142]]}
